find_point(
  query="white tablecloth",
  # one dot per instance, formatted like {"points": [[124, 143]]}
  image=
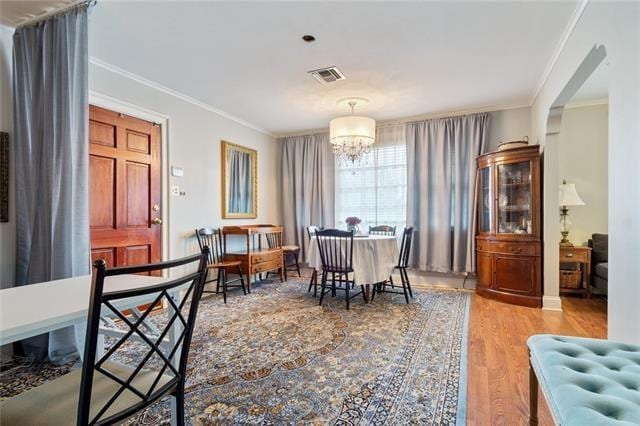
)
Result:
{"points": [[374, 258]]}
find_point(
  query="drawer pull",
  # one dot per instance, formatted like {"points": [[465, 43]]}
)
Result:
{"points": [[516, 250], [569, 254]]}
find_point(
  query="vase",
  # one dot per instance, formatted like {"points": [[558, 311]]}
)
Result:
{"points": [[353, 228]]}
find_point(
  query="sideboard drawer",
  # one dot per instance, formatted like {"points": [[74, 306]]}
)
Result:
{"points": [[525, 249], [267, 266], [266, 256]]}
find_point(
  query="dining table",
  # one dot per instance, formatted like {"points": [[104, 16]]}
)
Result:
{"points": [[374, 259], [31, 310]]}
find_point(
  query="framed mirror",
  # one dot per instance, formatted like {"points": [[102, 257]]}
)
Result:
{"points": [[239, 181]]}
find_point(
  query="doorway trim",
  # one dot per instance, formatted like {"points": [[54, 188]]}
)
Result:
{"points": [[551, 233], [113, 104]]}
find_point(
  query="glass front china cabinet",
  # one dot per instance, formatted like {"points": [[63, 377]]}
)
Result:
{"points": [[508, 246]]}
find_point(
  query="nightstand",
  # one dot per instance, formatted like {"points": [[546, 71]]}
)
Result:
{"points": [[582, 256]]}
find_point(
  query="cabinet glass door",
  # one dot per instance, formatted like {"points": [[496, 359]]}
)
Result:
{"points": [[486, 200], [514, 198]]}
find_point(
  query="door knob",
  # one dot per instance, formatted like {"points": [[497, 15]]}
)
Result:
{"points": [[157, 221]]}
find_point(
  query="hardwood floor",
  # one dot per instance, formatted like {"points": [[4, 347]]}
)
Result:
{"points": [[498, 386]]}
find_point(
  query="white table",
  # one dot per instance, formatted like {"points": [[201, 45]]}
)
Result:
{"points": [[374, 258], [30, 310]]}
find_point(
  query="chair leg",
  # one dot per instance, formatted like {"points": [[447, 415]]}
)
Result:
{"points": [[314, 276], [364, 295], [224, 284], [297, 265], [218, 282], [333, 284], [284, 266], [406, 278], [241, 280], [315, 283], [404, 290], [346, 292], [322, 287], [533, 396], [178, 396], [391, 281]]}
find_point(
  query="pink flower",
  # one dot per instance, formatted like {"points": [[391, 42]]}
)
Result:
{"points": [[352, 220]]}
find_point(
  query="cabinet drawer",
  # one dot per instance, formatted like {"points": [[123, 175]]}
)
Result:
{"points": [[525, 249], [265, 257], [266, 266], [569, 255]]}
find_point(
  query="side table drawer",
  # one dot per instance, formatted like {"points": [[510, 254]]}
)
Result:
{"points": [[266, 266], [569, 256]]}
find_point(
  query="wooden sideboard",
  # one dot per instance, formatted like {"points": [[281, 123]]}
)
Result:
{"points": [[508, 245], [262, 250]]}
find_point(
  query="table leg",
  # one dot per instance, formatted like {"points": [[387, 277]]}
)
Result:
{"points": [[367, 292]]}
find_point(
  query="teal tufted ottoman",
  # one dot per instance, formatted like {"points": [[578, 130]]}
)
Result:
{"points": [[585, 381]]}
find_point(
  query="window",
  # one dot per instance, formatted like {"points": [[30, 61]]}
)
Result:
{"points": [[375, 190]]}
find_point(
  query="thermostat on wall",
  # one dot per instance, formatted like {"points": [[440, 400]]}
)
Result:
{"points": [[177, 171]]}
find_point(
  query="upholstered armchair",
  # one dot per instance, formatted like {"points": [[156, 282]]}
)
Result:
{"points": [[599, 244]]}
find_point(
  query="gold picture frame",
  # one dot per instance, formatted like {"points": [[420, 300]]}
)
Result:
{"points": [[252, 211]]}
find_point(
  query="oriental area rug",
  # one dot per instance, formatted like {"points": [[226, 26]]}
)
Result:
{"points": [[276, 357]]}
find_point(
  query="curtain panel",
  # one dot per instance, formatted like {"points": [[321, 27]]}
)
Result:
{"points": [[50, 76], [441, 170], [308, 186]]}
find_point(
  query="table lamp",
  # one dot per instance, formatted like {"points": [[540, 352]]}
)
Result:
{"points": [[568, 198]]}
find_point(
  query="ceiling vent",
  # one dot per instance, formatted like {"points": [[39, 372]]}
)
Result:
{"points": [[327, 75]]}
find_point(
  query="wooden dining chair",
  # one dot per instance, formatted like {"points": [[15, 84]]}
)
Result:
{"points": [[212, 238], [313, 282], [104, 391], [274, 241], [336, 254], [403, 264], [382, 230]]}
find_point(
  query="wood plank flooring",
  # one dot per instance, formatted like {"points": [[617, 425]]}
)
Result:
{"points": [[498, 386]]}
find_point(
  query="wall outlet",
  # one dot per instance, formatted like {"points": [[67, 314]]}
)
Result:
{"points": [[175, 190]]}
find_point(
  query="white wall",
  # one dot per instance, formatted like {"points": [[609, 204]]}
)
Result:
{"points": [[7, 230], [583, 151], [194, 145], [509, 125], [614, 25]]}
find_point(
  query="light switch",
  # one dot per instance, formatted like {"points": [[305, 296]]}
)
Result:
{"points": [[177, 171]]}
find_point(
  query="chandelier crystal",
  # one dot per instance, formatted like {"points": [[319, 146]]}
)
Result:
{"points": [[352, 136]]}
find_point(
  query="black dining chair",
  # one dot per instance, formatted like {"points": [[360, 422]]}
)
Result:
{"points": [[313, 282], [336, 254], [382, 230], [105, 391], [403, 264], [212, 238]]}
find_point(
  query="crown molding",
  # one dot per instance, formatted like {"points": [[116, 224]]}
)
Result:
{"points": [[149, 83], [564, 38], [585, 104]]}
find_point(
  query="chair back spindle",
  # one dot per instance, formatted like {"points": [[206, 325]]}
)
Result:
{"points": [[336, 250], [212, 238], [382, 230]]}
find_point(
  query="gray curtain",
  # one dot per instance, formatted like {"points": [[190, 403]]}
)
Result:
{"points": [[308, 186], [50, 72], [240, 189], [441, 170]]}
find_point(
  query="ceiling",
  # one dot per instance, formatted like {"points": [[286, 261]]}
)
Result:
{"points": [[408, 58], [15, 12]]}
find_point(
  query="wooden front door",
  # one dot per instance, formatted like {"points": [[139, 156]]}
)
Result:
{"points": [[125, 188]]}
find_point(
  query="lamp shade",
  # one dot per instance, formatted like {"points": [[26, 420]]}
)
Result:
{"points": [[352, 127], [569, 196]]}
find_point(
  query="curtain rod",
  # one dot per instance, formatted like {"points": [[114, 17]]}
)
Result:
{"points": [[41, 18]]}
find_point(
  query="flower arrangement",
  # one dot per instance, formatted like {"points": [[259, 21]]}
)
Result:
{"points": [[352, 221]]}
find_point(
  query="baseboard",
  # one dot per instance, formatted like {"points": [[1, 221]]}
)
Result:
{"points": [[552, 303]]}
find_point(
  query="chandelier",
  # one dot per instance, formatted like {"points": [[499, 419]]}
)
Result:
{"points": [[352, 135]]}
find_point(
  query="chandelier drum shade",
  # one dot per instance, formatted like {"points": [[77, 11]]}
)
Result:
{"points": [[352, 136]]}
